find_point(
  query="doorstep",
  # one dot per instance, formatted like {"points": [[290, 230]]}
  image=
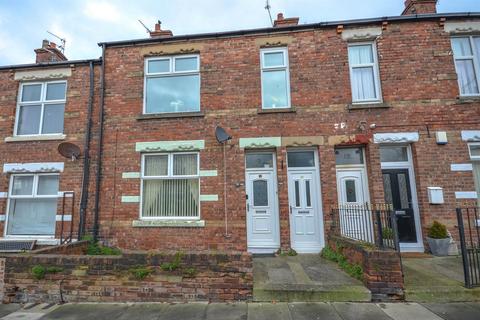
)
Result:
{"points": [[305, 277]]}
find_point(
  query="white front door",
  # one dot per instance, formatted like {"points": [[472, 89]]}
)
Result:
{"points": [[352, 197], [262, 214]]}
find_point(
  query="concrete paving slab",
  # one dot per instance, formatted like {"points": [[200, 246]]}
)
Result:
{"points": [[359, 311], [454, 311], [262, 311], [6, 309], [94, 311], [407, 311], [313, 311], [143, 311], [184, 311], [227, 311], [24, 316]]}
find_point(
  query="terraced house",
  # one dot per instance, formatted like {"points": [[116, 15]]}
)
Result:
{"points": [[244, 141]]}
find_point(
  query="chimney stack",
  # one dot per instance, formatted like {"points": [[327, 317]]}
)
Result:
{"points": [[49, 53], [420, 7], [159, 33], [285, 22]]}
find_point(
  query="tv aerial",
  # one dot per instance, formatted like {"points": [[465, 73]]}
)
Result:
{"points": [[69, 150], [62, 41], [268, 7], [146, 28]]}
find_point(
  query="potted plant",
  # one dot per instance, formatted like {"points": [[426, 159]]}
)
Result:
{"points": [[438, 239]]}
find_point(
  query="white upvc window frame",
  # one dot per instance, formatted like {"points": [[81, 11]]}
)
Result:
{"points": [[472, 157], [376, 72], [170, 73], [475, 59], [33, 195], [285, 66], [169, 176], [42, 102]]}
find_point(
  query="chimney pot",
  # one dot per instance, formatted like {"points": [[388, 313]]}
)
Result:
{"points": [[53, 45], [45, 43], [280, 16]]}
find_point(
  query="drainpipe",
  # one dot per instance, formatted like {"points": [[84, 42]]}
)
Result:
{"points": [[100, 147], [86, 158]]}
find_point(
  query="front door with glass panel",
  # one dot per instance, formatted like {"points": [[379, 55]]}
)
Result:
{"points": [[262, 209], [306, 227], [32, 205]]}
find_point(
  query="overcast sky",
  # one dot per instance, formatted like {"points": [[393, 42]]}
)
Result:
{"points": [[23, 23]]}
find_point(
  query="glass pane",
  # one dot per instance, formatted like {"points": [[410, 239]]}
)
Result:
{"points": [[363, 84], [360, 54], [173, 94], [56, 91], [22, 185], [274, 89], [159, 66], [32, 216], [31, 92], [301, 159], [387, 188], [348, 156], [273, 59], [350, 191], [474, 150], [48, 185], [402, 188], [393, 154], [29, 119], [53, 118], [156, 165], [476, 44], [307, 192], [461, 47], [259, 160], [184, 164], [260, 193], [297, 193], [466, 77], [170, 198], [186, 64]]}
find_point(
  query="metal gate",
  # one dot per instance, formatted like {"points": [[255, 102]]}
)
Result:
{"points": [[469, 233]]}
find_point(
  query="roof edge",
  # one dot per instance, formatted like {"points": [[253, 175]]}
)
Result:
{"points": [[416, 17], [49, 64]]}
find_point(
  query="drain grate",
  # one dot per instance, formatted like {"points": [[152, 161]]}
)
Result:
{"points": [[16, 246]]}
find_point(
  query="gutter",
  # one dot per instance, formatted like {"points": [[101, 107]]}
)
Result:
{"points": [[86, 158], [302, 27], [100, 149], [50, 64]]}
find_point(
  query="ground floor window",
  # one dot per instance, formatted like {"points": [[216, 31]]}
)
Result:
{"points": [[32, 204], [170, 186]]}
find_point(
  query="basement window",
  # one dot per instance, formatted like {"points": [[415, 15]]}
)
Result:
{"points": [[172, 84], [466, 51], [275, 78], [40, 108], [364, 74], [170, 186]]}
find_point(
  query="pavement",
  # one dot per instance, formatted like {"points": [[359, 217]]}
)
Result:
{"points": [[244, 311], [304, 278]]}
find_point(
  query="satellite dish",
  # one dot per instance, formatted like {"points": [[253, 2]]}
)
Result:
{"points": [[69, 150], [221, 135]]}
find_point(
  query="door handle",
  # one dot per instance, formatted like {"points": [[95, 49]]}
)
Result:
{"points": [[248, 207], [290, 209]]}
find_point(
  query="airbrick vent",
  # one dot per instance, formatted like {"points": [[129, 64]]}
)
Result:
{"points": [[16, 246]]}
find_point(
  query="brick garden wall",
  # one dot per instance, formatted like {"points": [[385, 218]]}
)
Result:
{"points": [[216, 277]]}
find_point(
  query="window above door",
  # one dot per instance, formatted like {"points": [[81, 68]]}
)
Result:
{"points": [[349, 156]]}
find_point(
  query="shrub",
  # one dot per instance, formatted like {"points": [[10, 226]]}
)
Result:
{"points": [[54, 269], [172, 266], [96, 249], [352, 269], [437, 231], [141, 272], [387, 233], [190, 272], [39, 272]]}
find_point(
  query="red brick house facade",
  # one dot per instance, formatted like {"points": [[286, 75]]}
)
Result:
{"points": [[350, 112]]}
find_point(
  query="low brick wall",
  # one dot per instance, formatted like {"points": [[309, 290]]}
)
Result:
{"points": [[74, 248], [217, 277], [382, 270]]}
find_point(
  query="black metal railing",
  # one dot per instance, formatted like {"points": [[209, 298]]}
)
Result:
{"points": [[469, 234], [374, 224]]}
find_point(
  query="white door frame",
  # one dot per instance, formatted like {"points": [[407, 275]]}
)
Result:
{"points": [[418, 246], [275, 204], [315, 171]]}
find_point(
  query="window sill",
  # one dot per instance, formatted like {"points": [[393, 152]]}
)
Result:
{"points": [[170, 115], [46, 137], [370, 105], [468, 99], [168, 223], [279, 110]]}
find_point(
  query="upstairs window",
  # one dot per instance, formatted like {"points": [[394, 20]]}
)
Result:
{"points": [[41, 107], [170, 186], [466, 51], [172, 84], [275, 78], [364, 75]]}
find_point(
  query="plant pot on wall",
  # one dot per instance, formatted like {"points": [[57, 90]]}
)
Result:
{"points": [[439, 247]]}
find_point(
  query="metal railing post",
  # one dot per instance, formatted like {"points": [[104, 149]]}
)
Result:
{"points": [[463, 246], [379, 228]]}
